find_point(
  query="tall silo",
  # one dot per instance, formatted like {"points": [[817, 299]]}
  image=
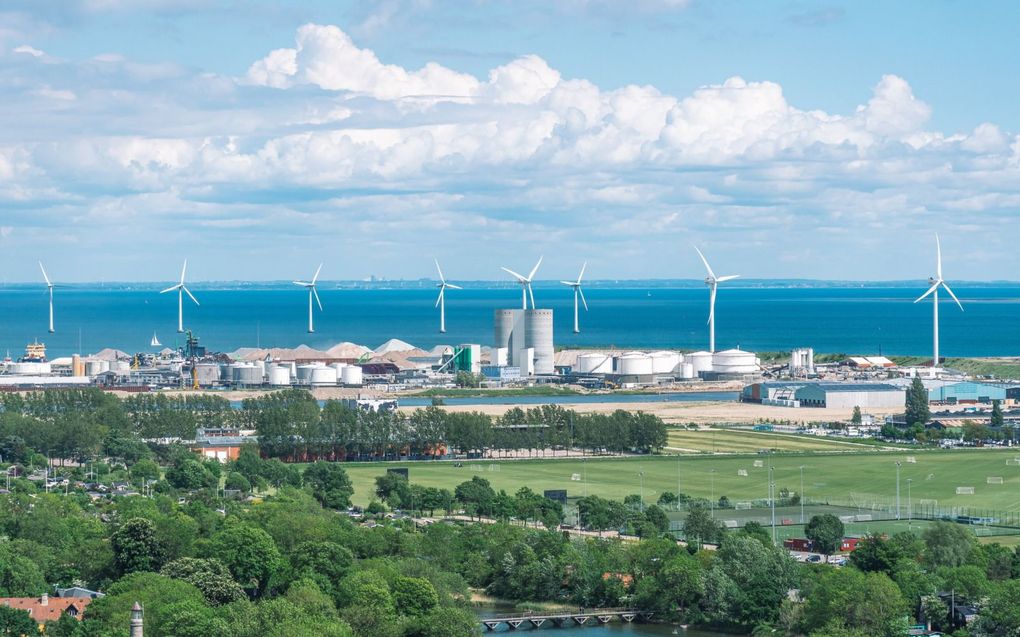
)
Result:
{"points": [[538, 334]]}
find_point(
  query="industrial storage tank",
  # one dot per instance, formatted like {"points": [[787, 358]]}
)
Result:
{"points": [[634, 364], [339, 367], [664, 362], [207, 373], [503, 322], [323, 377], [594, 364], [246, 374], [538, 334], [687, 371], [94, 368], [734, 361], [32, 368], [352, 375], [279, 375], [304, 372], [700, 362], [120, 366]]}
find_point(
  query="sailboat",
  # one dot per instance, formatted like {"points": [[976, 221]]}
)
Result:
{"points": [[155, 341]]}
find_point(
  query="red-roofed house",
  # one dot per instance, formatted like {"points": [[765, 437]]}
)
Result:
{"points": [[48, 609]]}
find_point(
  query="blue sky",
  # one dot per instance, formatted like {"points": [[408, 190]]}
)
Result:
{"points": [[789, 139]]}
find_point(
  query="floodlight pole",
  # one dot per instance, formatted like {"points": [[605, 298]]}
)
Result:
{"points": [[642, 492], [772, 500], [802, 494], [910, 502], [711, 501]]}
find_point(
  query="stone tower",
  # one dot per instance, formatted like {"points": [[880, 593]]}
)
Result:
{"points": [[137, 629]]}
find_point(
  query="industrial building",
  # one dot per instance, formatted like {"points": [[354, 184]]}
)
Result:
{"points": [[825, 394], [524, 339]]}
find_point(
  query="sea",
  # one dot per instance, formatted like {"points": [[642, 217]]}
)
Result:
{"points": [[839, 319]]}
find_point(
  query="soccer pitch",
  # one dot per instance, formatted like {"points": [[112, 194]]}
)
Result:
{"points": [[748, 441], [858, 480]]}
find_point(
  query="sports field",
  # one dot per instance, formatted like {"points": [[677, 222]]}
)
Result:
{"points": [[748, 441], [860, 481]]}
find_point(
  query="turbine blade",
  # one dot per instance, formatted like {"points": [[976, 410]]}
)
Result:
{"points": [[170, 289], [48, 283], [934, 287], [535, 269], [583, 266], [190, 295], [711, 304], [455, 287], [316, 277], [514, 274], [183, 270], [440, 297], [315, 293], [440, 271], [301, 283], [938, 258], [532, 295], [570, 283], [952, 295], [728, 278], [581, 292], [705, 261]]}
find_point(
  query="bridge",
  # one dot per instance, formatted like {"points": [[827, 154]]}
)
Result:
{"points": [[595, 617]]}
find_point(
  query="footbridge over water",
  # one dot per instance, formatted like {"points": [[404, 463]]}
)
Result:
{"points": [[567, 620]]}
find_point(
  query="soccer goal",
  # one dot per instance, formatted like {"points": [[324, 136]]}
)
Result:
{"points": [[1013, 462], [911, 460], [742, 506], [493, 467], [576, 477], [994, 480], [742, 473], [759, 463], [964, 490]]}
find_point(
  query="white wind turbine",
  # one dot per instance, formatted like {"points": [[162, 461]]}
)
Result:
{"points": [[525, 282], [712, 281], [181, 291], [936, 282], [577, 293], [49, 287], [311, 292], [441, 301]]}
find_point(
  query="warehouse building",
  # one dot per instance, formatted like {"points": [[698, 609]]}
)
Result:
{"points": [[822, 394], [966, 392]]}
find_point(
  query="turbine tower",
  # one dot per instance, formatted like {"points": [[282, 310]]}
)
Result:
{"points": [[49, 287], [936, 282], [311, 292], [712, 281], [577, 293], [525, 282], [441, 301], [181, 291]]}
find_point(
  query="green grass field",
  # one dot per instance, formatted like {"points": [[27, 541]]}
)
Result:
{"points": [[861, 480], [748, 441]]}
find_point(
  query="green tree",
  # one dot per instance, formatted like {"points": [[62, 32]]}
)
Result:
{"points": [[947, 544], [657, 517], [996, 420], [825, 532], [855, 418], [700, 526], [1000, 617], [329, 560], [869, 602], [14, 621], [136, 547], [207, 575], [447, 621], [917, 412], [238, 482], [414, 596], [329, 484], [156, 594], [191, 619], [19, 575], [249, 553], [145, 469]]}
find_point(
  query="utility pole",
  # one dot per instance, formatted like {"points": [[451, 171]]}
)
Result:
{"points": [[711, 501], [642, 493], [772, 500], [897, 489], [802, 494], [910, 502]]}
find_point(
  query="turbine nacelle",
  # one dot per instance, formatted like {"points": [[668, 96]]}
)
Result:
{"points": [[525, 283]]}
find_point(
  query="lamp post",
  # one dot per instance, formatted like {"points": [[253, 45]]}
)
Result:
{"points": [[641, 505], [910, 502], [802, 494], [711, 501], [897, 489], [772, 500]]}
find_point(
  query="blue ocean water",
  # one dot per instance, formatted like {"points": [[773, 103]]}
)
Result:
{"points": [[850, 320]]}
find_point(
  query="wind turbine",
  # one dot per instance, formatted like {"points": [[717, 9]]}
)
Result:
{"points": [[311, 292], [525, 282], [936, 282], [712, 281], [441, 301], [49, 287], [181, 291], [577, 293]]}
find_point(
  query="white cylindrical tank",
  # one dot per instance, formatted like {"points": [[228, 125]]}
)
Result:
{"points": [[700, 362], [734, 361], [538, 335], [503, 322], [686, 370], [261, 365], [634, 364], [279, 375], [246, 374], [339, 367], [304, 372], [664, 362], [92, 368], [323, 377], [594, 364], [119, 366], [207, 373], [35, 369], [352, 375], [293, 369]]}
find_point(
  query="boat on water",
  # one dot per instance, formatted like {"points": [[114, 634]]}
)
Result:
{"points": [[155, 341]]}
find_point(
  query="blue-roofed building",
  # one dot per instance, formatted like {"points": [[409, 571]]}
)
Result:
{"points": [[825, 394], [967, 392]]}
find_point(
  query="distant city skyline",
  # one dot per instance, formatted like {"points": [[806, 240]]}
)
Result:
{"points": [[786, 139]]}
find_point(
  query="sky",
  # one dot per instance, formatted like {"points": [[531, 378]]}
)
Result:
{"points": [[258, 138]]}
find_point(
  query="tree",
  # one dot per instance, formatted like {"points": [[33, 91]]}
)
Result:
{"points": [[825, 532], [869, 602], [145, 469], [189, 474], [191, 619], [996, 420], [700, 526], [156, 594], [476, 494], [668, 500], [207, 575], [135, 546], [855, 418], [1000, 617], [445, 621], [14, 621], [329, 560], [947, 544], [658, 518], [237, 482], [19, 575], [249, 553], [917, 412], [414, 596], [329, 484]]}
